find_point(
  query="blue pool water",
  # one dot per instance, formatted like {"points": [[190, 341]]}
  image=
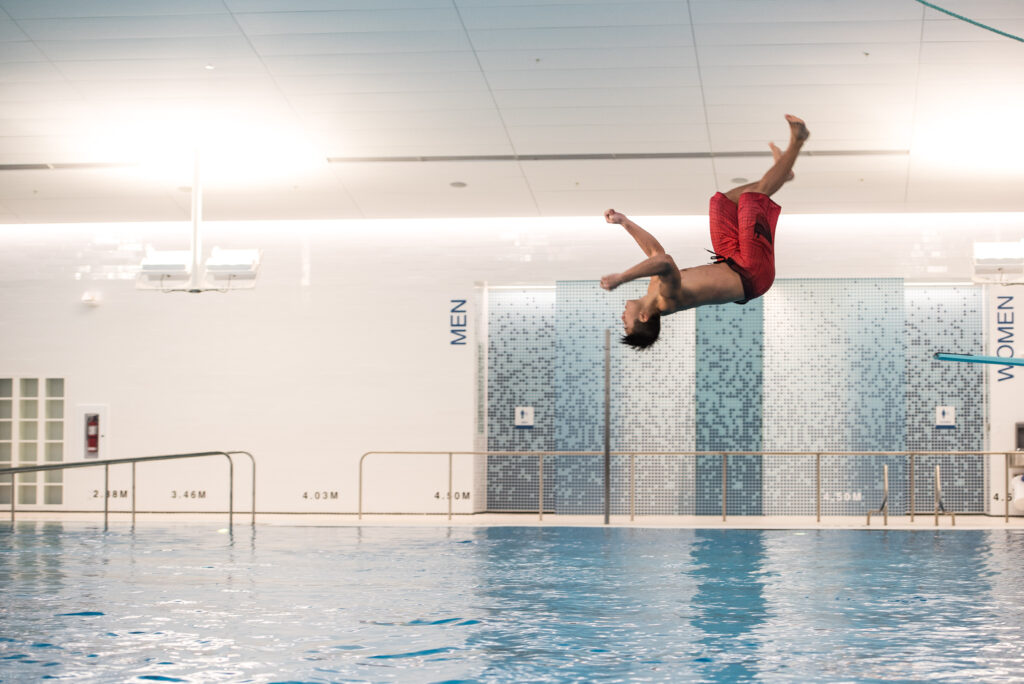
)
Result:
{"points": [[275, 604]]}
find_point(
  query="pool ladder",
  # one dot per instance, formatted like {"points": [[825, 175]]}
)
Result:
{"points": [[939, 508]]}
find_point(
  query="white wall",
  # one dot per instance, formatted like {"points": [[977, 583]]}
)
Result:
{"points": [[342, 348]]}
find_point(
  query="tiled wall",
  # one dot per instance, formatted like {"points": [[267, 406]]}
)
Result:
{"points": [[946, 319], [730, 382], [834, 354], [521, 368], [652, 404], [831, 364]]}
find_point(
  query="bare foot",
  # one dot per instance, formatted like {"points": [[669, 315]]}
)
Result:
{"points": [[797, 128], [776, 153]]}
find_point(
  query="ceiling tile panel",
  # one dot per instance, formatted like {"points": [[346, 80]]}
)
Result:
{"points": [[241, 6], [808, 33], [581, 38], [586, 58], [210, 48], [608, 79], [9, 31], [20, 51], [770, 12], [271, 23], [400, 102], [402, 63], [616, 174], [612, 114], [599, 97], [384, 83], [160, 69], [22, 72], [54, 9], [785, 56], [366, 42], [107, 28], [561, 15], [615, 138]]}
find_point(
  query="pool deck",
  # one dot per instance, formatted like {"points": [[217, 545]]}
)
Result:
{"points": [[920, 522]]}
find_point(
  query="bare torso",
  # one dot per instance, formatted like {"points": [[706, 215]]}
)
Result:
{"points": [[698, 286]]}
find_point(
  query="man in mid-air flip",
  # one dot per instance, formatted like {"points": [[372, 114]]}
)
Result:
{"points": [[742, 235]]}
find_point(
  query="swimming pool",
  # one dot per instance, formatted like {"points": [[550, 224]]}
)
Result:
{"points": [[327, 604]]}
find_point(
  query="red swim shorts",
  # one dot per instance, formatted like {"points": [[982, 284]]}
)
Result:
{"points": [[743, 236]]}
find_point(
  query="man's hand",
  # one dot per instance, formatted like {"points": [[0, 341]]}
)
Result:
{"points": [[612, 216], [610, 282]]}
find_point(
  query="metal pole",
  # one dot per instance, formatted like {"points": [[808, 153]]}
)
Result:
{"points": [[106, 493], [725, 466], [133, 494], [938, 495], [540, 492], [14, 492], [817, 484], [449, 486], [197, 217], [607, 427]]}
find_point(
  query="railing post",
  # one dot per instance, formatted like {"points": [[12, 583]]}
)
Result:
{"points": [[359, 505], [817, 485], [14, 493], [540, 491], [632, 488], [133, 493], [1006, 498], [938, 494], [725, 482], [449, 485], [106, 493], [913, 503], [231, 491]]}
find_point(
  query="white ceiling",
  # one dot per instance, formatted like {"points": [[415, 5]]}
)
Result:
{"points": [[910, 110]]}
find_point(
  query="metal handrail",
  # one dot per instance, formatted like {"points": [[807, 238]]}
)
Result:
{"points": [[884, 506], [13, 472], [722, 455]]}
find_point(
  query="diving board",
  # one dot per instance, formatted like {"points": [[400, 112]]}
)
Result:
{"points": [[971, 358]]}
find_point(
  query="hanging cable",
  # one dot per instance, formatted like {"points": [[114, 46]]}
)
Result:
{"points": [[971, 21]]}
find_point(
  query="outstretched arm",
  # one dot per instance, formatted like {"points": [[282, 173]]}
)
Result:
{"points": [[661, 265], [647, 242]]}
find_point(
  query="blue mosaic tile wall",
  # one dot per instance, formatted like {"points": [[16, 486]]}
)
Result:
{"points": [[946, 319], [834, 379], [730, 378], [651, 399], [520, 368], [825, 364]]}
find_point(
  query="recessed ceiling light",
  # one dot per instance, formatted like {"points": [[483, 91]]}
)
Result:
{"points": [[457, 184], [209, 67]]}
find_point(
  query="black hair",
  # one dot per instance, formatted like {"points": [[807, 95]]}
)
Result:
{"points": [[644, 333]]}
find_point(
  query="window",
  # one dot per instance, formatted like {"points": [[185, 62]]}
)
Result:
{"points": [[32, 429]]}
